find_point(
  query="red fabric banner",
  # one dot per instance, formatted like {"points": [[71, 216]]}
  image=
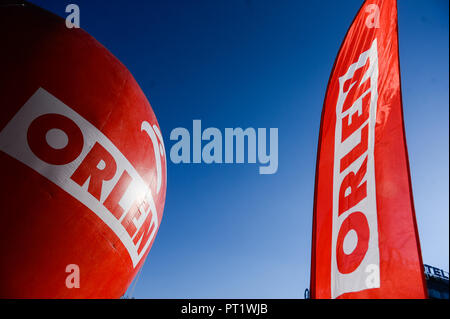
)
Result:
{"points": [[365, 242]]}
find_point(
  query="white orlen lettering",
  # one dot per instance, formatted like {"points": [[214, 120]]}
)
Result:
{"points": [[13, 141], [355, 213]]}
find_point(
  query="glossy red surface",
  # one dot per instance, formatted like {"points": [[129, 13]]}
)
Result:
{"points": [[43, 227]]}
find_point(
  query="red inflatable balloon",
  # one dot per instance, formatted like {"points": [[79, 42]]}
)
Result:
{"points": [[82, 163]]}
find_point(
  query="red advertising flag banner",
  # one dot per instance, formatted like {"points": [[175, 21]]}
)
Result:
{"points": [[365, 242]]}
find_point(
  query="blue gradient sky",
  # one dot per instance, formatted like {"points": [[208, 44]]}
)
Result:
{"points": [[228, 232]]}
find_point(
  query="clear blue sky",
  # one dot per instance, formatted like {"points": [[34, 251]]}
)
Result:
{"points": [[228, 232]]}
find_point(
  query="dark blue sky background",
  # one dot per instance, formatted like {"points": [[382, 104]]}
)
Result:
{"points": [[228, 232]]}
